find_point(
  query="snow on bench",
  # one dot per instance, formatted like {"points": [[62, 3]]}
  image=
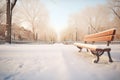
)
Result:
{"points": [[97, 50]]}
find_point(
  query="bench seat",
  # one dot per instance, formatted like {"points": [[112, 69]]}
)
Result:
{"points": [[92, 47]]}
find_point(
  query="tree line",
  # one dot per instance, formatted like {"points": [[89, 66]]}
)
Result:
{"points": [[31, 14], [93, 19], [34, 16]]}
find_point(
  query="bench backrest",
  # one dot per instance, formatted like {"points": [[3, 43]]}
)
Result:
{"points": [[107, 35]]}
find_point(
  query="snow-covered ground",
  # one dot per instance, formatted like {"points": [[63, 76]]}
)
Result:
{"points": [[55, 62]]}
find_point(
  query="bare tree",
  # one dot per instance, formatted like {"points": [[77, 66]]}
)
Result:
{"points": [[51, 35], [114, 5], [77, 27], [97, 17], [2, 11], [92, 18], [9, 9], [33, 14]]}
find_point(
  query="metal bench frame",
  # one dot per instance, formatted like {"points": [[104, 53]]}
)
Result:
{"points": [[106, 36]]}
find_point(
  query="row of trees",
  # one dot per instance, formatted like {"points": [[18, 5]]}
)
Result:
{"points": [[93, 19], [34, 14], [31, 14], [35, 17]]}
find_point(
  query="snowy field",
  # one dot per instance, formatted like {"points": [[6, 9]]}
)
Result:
{"points": [[55, 62]]}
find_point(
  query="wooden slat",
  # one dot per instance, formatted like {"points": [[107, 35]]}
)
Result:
{"points": [[103, 33], [105, 38]]}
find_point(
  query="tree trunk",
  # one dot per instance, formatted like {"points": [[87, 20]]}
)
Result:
{"points": [[8, 22], [9, 9]]}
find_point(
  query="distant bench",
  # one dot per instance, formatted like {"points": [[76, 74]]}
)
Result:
{"points": [[97, 50]]}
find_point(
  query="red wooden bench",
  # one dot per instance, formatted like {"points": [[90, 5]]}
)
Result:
{"points": [[97, 50]]}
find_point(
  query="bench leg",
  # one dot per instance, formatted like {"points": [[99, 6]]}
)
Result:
{"points": [[96, 61], [87, 50], [96, 53], [80, 49], [99, 53], [110, 59]]}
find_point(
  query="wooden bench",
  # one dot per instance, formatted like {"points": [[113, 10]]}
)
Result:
{"points": [[97, 50]]}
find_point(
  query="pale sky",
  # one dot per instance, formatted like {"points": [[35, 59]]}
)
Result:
{"points": [[60, 10]]}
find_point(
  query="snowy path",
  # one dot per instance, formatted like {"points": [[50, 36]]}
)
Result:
{"points": [[55, 62]]}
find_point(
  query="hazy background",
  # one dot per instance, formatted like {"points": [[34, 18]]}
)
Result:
{"points": [[60, 20]]}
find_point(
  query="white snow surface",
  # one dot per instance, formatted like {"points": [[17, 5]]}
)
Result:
{"points": [[55, 62]]}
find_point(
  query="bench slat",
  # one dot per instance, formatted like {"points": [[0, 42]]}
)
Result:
{"points": [[103, 33], [105, 38]]}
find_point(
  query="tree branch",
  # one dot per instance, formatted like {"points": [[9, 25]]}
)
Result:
{"points": [[13, 4], [91, 25], [116, 13]]}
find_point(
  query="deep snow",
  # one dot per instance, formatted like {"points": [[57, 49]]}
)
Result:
{"points": [[55, 62]]}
